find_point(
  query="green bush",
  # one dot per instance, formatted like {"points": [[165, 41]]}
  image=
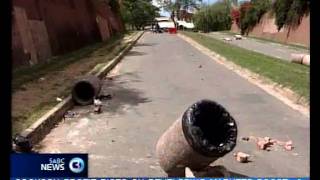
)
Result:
{"points": [[251, 13], [214, 17], [289, 13]]}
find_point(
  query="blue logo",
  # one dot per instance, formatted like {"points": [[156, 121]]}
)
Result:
{"points": [[76, 165]]}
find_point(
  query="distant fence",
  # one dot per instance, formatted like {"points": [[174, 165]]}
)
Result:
{"points": [[45, 28], [268, 29]]}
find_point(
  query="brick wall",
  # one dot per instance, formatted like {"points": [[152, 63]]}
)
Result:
{"points": [[267, 29], [45, 28]]}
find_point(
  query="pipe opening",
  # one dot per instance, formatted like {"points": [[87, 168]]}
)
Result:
{"points": [[209, 128], [83, 93]]}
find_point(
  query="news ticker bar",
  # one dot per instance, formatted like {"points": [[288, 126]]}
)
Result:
{"points": [[160, 178], [48, 165]]}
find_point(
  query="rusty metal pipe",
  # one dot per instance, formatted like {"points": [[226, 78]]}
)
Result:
{"points": [[85, 89], [204, 133]]}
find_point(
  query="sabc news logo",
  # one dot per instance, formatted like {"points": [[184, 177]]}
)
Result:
{"points": [[76, 165]]}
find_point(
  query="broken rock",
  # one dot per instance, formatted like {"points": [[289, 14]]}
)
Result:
{"points": [[288, 146], [245, 138], [242, 157]]}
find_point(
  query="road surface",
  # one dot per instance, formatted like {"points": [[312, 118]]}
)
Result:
{"points": [[264, 47], [153, 85]]}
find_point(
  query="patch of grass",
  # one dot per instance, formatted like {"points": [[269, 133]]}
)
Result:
{"points": [[96, 55], [24, 75], [293, 76]]}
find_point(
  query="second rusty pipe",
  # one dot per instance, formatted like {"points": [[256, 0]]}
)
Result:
{"points": [[85, 89]]}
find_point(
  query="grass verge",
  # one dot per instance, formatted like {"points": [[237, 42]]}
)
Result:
{"points": [[33, 97], [24, 75], [294, 76]]}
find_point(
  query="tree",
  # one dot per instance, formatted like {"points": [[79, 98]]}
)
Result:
{"points": [[214, 17], [251, 13], [138, 13], [174, 7], [289, 13]]}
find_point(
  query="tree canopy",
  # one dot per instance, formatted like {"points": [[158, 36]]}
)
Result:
{"points": [[215, 17], [175, 6], [138, 13], [287, 13]]}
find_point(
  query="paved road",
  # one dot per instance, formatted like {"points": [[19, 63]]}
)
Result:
{"points": [[268, 48], [159, 78]]}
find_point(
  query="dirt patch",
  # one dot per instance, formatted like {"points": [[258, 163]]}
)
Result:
{"points": [[33, 99]]}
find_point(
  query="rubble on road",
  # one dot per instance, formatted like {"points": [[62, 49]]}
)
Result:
{"points": [[58, 99], [22, 144], [227, 39], [189, 173], [245, 138], [70, 114], [97, 106], [104, 97], [288, 146], [242, 157], [267, 143], [238, 37]]}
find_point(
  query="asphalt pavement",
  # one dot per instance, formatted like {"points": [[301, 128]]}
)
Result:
{"points": [[153, 85]]}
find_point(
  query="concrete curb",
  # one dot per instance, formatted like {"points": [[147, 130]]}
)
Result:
{"points": [[285, 95], [38, 130]]}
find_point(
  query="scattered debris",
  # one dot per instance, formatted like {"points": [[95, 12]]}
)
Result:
{"points": [[266, 143], [58, 99], [227, 39], [104, 97], [97, 109], [245, 138], [97, 106], [242, 157], [22, 143], [42, 79], [70, 114], [189, 173], [97, 102], [149, 155], [238, 37], [288, 146]]}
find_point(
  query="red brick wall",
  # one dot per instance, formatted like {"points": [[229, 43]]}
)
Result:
{"points": [[267, 29], [53, 27]]}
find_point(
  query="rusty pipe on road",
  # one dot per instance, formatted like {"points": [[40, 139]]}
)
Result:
{"points": [[205, 132], [85, 89]]}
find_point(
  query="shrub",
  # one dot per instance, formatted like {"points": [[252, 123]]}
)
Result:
{"points": [[214, 17]]}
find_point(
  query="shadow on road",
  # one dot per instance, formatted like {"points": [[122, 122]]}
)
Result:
{"points": [[135, 53], [217, 171], [122, 95], [145, 44]]}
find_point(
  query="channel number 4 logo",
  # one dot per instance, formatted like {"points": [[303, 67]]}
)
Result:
{"points": [[76, 165]]}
